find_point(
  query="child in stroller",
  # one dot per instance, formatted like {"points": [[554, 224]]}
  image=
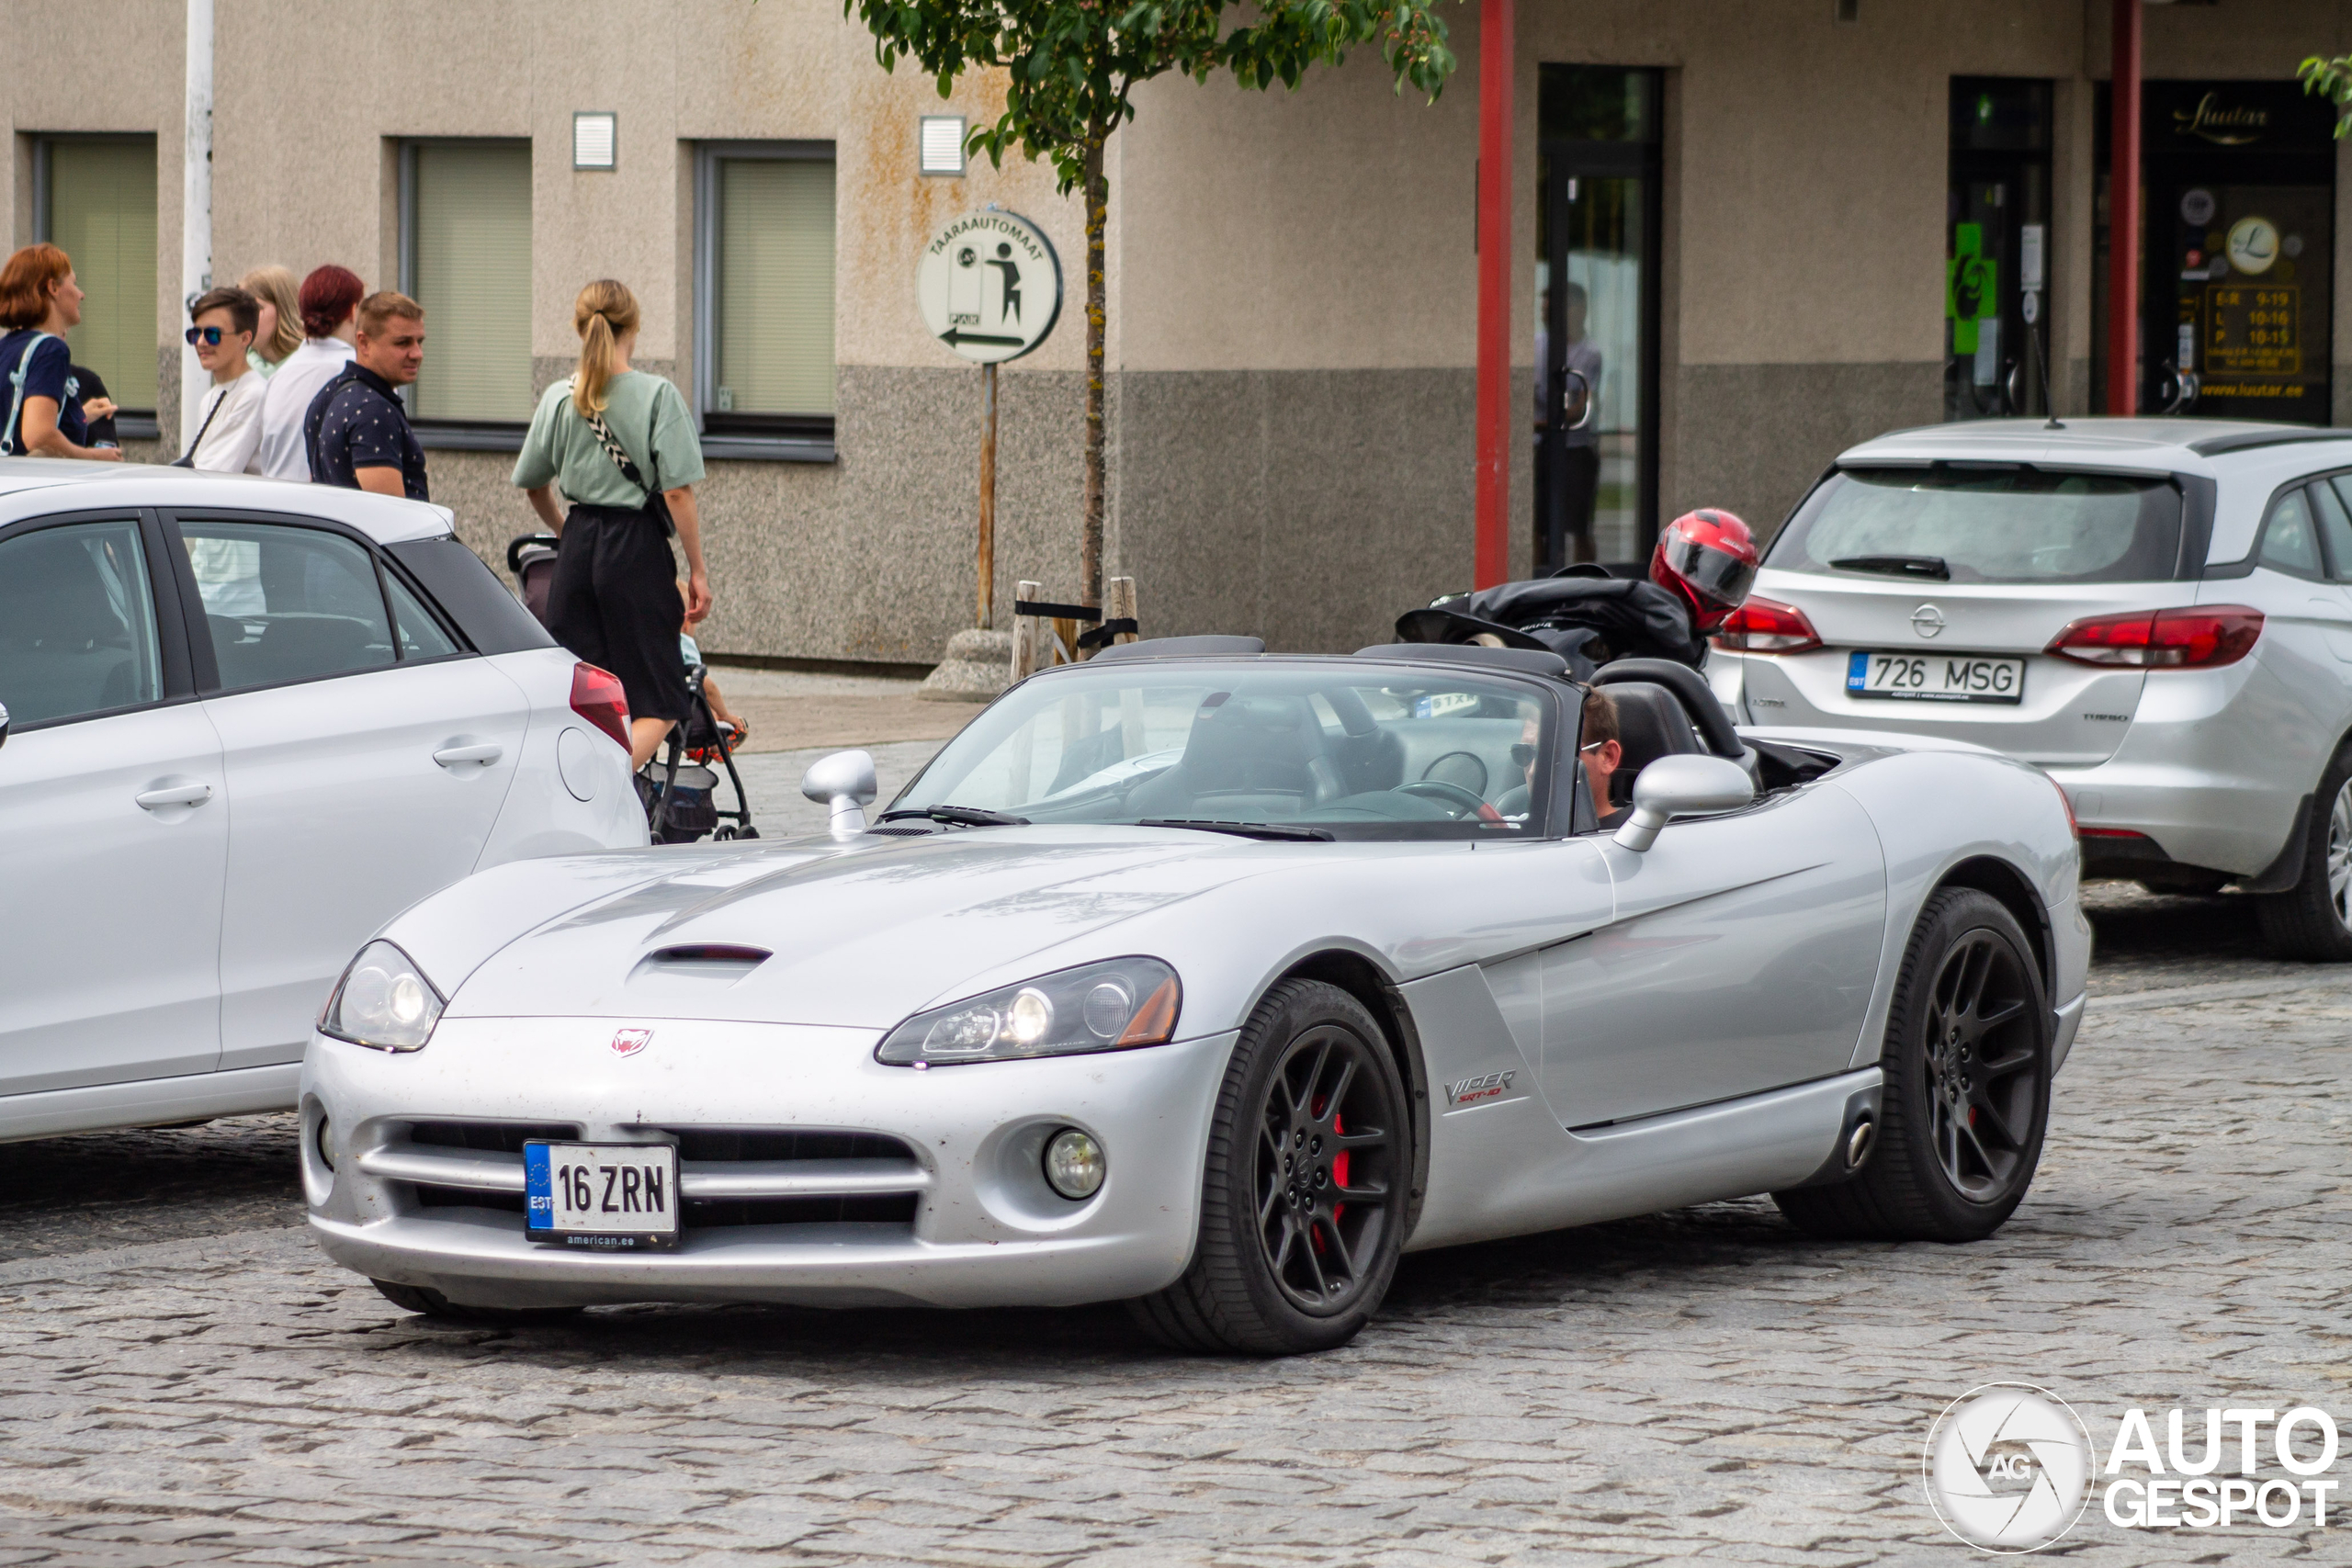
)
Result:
{"points": [[678, 784]]}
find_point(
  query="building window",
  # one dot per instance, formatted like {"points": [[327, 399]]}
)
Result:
{"points": [[95, 198], [764, 315], [466, 257]]}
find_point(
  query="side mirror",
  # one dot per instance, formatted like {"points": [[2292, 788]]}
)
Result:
{"points": [[4, 724], [1688, 784], [844, 781]]}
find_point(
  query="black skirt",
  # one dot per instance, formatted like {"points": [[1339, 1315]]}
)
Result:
{"points": [[613, 601]]}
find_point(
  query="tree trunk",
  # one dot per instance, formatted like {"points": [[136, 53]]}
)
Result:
{"points": [[1098, 204]]}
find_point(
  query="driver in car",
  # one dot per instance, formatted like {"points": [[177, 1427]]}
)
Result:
{"points": [[1600, 751]]}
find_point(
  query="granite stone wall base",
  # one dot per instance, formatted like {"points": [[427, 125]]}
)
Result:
{"points": [[1753, 438], [1309, 507]]}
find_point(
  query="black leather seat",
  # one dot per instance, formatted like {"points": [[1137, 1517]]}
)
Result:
{"points": [[1651, 724], [1249, 759]]}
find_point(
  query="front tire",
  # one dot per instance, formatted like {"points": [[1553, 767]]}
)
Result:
{"points": [[432, 1303], [1967, 1086], [2312, 920], [1303, 1199]]}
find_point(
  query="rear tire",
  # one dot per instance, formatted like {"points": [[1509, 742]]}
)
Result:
{"points": [[1303, 1197], [432, 1303], [2312, 921], [1967, 1092]]}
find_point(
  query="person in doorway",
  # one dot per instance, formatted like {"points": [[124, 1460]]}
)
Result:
{"points": [[622, 445], [228, 429], [279, 331], [329, 299], [48, 413], [1600, 751], [1579, 479], [356, 431]]}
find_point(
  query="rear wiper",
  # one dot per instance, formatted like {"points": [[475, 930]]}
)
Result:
{"points": [[1897, 566], [961, 816], [1242, 830]]}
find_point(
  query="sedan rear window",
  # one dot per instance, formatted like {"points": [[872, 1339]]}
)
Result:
{"points": [[1995, 525]]}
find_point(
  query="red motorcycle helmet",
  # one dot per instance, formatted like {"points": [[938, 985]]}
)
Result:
{"points": [[1708, 558]]}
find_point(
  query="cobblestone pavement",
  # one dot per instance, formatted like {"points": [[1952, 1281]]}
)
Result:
{"points": [[1706, 1385]]}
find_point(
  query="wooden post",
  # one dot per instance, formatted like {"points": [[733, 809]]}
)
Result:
{"points": [[988, 495], [1024, 636], [1119, 604]]}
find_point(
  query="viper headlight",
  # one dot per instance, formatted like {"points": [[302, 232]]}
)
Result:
{"points": [[1111, 1006], [383, 1000]]}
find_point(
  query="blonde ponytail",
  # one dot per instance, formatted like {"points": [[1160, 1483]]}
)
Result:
{"points": [[604, 314]]}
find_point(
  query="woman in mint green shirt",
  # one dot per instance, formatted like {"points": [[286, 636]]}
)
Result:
{"points": [[619, 442]]}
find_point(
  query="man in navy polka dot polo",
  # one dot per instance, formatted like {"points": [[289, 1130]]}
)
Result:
{"points": [[357, 432]]}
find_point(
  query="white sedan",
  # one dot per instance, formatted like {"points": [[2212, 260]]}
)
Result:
{"points": [[245, 724]]}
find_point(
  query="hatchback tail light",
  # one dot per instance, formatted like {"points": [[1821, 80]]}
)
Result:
{"points": [[2200, 636], [596, 696], [1766, 625]]}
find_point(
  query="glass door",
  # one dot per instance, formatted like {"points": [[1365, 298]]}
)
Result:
{"points": [[1596, 316], [1996, 250]]}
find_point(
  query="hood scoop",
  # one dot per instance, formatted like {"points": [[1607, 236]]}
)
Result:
{"points": [[699, 964]]}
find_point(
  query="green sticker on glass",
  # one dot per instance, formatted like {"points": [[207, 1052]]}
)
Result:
{"points": [[1971, 291]]}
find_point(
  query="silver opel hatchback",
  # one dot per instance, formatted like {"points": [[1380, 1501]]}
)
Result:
{"points": [[2157, 613]]}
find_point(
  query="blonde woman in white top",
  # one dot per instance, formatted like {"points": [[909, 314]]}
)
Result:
{"points": [[279, 333], [228, 433]]}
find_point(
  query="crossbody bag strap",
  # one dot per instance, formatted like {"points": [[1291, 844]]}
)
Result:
{"points": [[618, 454], [17, 392], [187, 458]]}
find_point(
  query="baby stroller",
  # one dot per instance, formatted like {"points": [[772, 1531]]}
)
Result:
{"points": [[678, 784]]}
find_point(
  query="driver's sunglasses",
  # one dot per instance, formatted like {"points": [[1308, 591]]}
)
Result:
{"points": [[1590, 746], [1522, 754], [209, 337]]}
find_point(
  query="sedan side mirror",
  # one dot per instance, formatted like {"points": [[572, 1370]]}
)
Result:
{"points": [[1686, 784], [844, 781], [4, 724]]}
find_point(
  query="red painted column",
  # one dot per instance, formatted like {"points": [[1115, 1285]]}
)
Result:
{"points": [[2124, 217], [1497, 172]]}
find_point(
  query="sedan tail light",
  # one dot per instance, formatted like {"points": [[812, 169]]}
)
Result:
{"points": [[596, 696], [2200, 636], [1766, 625]]}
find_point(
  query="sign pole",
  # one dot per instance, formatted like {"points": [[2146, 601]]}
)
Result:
{"points": [[988, 494]]}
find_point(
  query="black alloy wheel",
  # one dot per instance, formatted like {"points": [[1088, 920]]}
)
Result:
{"points": [[1966, 1095], [2312, 921], [1304, 1191]]}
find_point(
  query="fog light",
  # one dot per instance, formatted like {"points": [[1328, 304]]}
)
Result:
{"points": [[326, 1142], [1074, 1164]]}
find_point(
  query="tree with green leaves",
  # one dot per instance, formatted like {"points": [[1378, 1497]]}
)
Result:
{"points": [[1072, 67], [2331, 79]]}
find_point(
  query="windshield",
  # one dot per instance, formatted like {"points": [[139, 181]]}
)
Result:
{"points": [[1358, 750], [2004, 524]]}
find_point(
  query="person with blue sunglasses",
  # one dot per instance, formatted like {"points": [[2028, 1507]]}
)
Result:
{"points": [[228, 432]]}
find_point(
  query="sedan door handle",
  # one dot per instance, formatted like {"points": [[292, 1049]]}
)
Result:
{"points": [[486, 753], [174, 795]]}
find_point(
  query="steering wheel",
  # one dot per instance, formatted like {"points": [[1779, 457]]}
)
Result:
{"points": [[1440, 790]]}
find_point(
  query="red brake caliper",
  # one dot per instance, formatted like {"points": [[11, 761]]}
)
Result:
{"points": [[1339, 1168]]}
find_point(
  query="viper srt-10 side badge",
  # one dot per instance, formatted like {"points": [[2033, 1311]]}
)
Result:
{"points": [[629, 1041], [1469, 1091]]}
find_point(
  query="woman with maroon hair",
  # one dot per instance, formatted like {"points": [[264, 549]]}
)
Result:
{"points": [[330, 298], [40, 304]]}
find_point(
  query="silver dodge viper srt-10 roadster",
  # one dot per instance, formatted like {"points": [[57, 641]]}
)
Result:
{"points": [[1211, 980]]}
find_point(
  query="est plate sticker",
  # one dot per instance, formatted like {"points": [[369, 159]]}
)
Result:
{"points": [[613, 1197]]}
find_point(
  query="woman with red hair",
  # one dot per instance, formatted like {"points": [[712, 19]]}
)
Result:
{"points": [[40, 304]]}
